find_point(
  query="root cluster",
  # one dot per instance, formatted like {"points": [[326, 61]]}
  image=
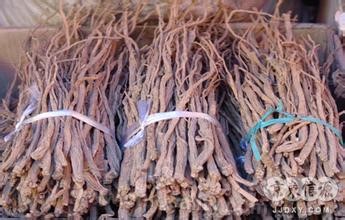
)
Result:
{"points": [[183, 167], [271, 66], [102, 62], [59, 166]]}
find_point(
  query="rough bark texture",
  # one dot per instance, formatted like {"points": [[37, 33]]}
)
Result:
{"points": [[100, 64], [61, 166], [270, 64]]}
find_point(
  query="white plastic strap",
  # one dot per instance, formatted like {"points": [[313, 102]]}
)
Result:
{"points": [[27, 111], [178, 114], [35, 94], [137, 135], [53, 114]]}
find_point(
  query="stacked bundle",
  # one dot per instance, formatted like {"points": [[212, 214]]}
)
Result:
{"points": [[183, 147], [288, 109], [60, 165], [182, 167]]}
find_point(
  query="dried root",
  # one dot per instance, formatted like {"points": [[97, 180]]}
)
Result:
{"points": [[61, 166], [100, 65], [183, 167], [271, 65]]}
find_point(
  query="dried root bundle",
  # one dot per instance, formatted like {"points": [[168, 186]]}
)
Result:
{"points": [[59, 166], [183, 167], [270, 66], [100, 65]]}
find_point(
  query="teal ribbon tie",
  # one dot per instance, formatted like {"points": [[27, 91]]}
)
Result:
{"points": [[261, 124]]}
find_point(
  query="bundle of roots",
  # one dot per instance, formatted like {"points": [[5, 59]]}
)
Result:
{"points": [[271, 68], [60, 165], [183, 167], [100, 64]]}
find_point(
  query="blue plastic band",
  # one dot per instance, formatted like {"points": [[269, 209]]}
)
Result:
{"points": [[251, 135]]}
